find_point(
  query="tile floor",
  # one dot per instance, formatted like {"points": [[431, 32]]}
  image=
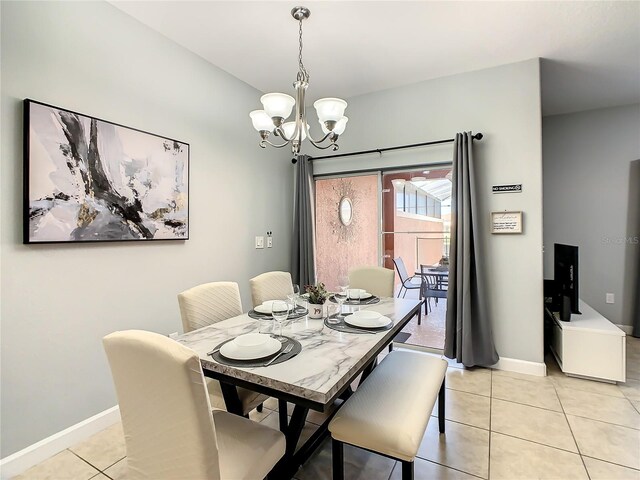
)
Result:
{"points": [[500, 425]]}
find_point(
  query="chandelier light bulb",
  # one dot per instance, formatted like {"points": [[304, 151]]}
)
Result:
{"points": [[330, 109], [261, 121], [339, 127], [278, 105], [290, 127]]}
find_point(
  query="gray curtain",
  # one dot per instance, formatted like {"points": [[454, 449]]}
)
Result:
{"points": [[468, 332], [303, 270]]}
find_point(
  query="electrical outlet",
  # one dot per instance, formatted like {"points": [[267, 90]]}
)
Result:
{"points": [[269, 242], [259, 242], [610, 298]]}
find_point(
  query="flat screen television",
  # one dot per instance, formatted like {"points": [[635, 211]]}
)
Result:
{"points": [[565, 272]]}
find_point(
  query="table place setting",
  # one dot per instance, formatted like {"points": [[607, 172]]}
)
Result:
{"points": [[354, 296], [255, 350], [265, 311], [360, 322]]}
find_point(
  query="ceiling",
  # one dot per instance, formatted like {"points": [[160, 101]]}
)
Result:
{"points": [[590, 50]]}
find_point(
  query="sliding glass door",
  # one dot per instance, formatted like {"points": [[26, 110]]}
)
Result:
{"points": [[372, 218]]}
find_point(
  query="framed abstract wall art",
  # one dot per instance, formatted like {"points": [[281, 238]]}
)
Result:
{"points": [[89, 180]]}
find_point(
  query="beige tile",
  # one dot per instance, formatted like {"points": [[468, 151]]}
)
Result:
{"points": [[425, 470], [103, 449], [607, 442], [592, 386], [257, 416], [513, 458], [522, 376], [477, 380], [599, 407], [525, 392], [358, 465], [636, 404], [466, 408], [461, 447], [599, 470], [100, 476], [63, 466], [272, 404], [630, 389], [118, 471], [532, 423]]}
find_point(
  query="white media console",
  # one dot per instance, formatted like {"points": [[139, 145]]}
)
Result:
{"points": [[589, 346]]}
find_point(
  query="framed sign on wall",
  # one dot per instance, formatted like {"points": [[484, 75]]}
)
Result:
{"points": [[89, 180], [506, 222]]}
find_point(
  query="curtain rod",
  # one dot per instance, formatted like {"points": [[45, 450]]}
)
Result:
{"points": [[477, 136]]}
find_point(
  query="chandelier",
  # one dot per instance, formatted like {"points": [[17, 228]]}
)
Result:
{"points": [[278, 108]]}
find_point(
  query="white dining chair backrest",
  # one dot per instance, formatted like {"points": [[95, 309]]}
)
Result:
{"points": [[270, 286], [164, 406], [375, 280], [209, 303]]}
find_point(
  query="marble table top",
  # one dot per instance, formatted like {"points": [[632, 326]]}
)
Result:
{"points": [[328, 361]]}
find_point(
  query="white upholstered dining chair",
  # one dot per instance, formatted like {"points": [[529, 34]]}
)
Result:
{"points": [[375, 280], [211, 303], [169, 428], [270, 286]]}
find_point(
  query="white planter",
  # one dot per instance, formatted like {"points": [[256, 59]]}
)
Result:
{"points": [[316, 311]]}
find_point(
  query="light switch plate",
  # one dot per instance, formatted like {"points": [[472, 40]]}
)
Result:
{"points": [[610, 298], [259, 242], [269, 242]]}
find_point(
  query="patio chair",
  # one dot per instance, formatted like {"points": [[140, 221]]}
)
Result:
{"points": [[408, 283], [431, 287]]}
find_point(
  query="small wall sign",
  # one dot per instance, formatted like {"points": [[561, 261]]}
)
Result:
{"points": [[506, 222], [515, 188]]}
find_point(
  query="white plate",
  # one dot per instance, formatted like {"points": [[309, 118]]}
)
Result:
{"points": [[234, 352], [367, 322], [266, 306], [363, 294]]}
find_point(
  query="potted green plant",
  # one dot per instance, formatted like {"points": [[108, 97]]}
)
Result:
{"points": [[317, 295]]}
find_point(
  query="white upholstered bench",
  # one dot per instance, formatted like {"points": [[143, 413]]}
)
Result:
{"points": [[389, 412]]}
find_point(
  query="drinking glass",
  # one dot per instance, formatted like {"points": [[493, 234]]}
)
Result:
{"points": [[280, 312], [294, 296], [343, 285]]}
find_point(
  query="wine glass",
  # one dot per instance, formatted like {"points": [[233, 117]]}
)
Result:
{"points": [[293, 297], [280, 312], [343, 285]]}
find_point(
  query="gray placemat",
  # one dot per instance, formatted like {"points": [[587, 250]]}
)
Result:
{"points": [[299, 312], [366, 301], [297, 348], [346, 328]]}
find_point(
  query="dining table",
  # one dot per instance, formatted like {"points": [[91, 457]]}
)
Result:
{"points": [[316, 379]]}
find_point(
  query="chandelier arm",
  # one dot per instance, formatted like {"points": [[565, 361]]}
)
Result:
{"points": [[316, 143], [262, 144], [335, 146]]}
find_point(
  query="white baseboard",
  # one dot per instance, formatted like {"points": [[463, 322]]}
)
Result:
{"points": [[538, 369], [627, 329], [26, 458]]}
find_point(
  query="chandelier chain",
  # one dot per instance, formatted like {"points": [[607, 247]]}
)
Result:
{"points": [[303, 75]]}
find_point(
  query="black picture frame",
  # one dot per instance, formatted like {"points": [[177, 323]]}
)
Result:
{"points": [[89, 180]]}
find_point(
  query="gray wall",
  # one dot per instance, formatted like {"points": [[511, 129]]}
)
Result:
{"points": [[59, 301], [504, 104], [591, 199]]}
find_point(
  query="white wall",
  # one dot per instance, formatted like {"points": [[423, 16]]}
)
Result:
{"points": [[59, 301], [592, 200], [504, 104]]}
